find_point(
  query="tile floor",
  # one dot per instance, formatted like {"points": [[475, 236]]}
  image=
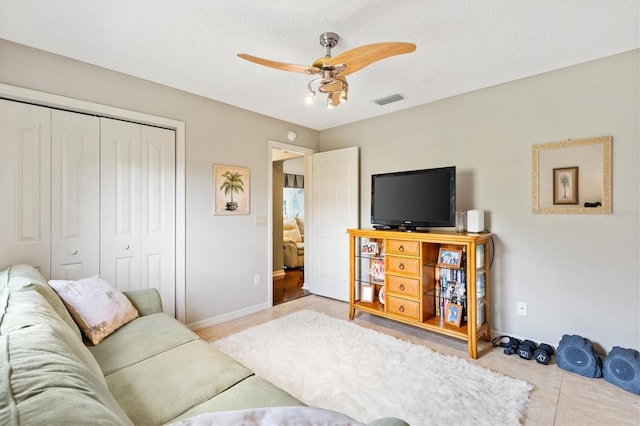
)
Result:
{"points": [[559, 397]]}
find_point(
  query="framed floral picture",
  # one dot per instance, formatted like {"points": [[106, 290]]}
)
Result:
{"points": [[565, 185], [231, 185]]}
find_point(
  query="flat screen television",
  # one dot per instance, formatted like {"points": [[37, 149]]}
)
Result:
{"points": [[412, 199]]}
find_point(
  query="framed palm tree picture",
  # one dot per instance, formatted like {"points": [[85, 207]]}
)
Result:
{"points": [[565, 185], [231, 185]]}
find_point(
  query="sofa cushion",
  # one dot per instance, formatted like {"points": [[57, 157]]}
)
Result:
{"points": [[96, 306], [27, 278], [252, 392], [43, 382], [159, 389], [140, 339], [29, 308]]}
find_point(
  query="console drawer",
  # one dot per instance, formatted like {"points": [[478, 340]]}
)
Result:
{"points": [[403, 286], [403, 307], [403, 265], [409, 248]]}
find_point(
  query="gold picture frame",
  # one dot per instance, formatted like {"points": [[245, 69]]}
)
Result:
{"points": [[565, 185], [593, 156]]}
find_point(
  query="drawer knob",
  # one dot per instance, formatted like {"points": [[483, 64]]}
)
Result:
{"points": [[401, 287], [73, 252], [401, 266], [401, 308], [401, 248]]}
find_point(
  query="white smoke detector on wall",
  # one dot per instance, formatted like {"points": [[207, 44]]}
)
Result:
{"points": [[291, 136]]}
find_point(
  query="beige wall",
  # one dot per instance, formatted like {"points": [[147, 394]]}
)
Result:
{"points": [[223, 253], [579, 274]]}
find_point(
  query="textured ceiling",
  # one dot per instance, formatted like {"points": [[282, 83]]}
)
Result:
{"points": [[462, 45]]}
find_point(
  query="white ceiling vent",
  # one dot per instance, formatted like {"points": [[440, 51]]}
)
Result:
{"points": [[389, 99]]}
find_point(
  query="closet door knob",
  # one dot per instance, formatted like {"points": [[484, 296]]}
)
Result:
{"points": [[73, 252]]}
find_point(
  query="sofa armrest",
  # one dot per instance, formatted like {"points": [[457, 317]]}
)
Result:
{"points": [[147, 301]]}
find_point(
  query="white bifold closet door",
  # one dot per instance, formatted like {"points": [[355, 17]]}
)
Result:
{"points": [[25, 185], [137, 208], [75, 195]]}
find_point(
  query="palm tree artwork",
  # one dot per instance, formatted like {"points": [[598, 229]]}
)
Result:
{"points": [[565, 188], [231, 186], [232, 183], [564, 181]]}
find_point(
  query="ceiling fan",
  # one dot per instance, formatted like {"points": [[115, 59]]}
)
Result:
{"points": [[332, 72]]}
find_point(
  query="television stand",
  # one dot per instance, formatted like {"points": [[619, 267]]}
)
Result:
{"points": [[421, 286]]}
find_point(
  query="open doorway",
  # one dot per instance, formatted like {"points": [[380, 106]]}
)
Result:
{"points": [[288, 215]]}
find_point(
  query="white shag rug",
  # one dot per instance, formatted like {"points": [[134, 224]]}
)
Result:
{"points": [[338, 365]]}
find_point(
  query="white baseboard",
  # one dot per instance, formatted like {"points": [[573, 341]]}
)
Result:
{"points": [[198, 325]]}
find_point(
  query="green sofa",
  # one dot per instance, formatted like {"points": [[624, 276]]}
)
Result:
{"points": [[151, 371]]}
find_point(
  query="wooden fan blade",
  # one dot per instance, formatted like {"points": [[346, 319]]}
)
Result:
{"points": [[335, 99], [302, 69], [360, 57]]}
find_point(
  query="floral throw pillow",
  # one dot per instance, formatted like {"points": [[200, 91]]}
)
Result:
{"points": [[97, 307]]}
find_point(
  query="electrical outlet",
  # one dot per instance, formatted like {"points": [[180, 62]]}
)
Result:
{"points": [[256, 279], [522, 308]]}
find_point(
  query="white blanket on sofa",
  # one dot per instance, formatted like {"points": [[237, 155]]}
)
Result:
{"points": [[282, 416]]}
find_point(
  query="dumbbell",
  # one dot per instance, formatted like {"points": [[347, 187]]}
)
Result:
{"points": [[543, 353], [511, 346], [526, 349]]}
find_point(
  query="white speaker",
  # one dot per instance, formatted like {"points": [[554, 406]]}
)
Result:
{"points": [[475, 221]]}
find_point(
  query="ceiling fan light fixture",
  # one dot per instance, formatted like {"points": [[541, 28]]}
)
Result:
{"points": [[332, 71], [309, 99], [331, 85], [329, 103]]}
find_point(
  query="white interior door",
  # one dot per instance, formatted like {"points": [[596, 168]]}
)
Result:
{"points": [[75, 195], [138, 208], [158, 213], [120, 203], [334, 209], [25, 185]]}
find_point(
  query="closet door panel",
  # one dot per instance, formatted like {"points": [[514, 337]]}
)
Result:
{"points": [[120, 203], [157, 208], [25, 173], [75, 195]]}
